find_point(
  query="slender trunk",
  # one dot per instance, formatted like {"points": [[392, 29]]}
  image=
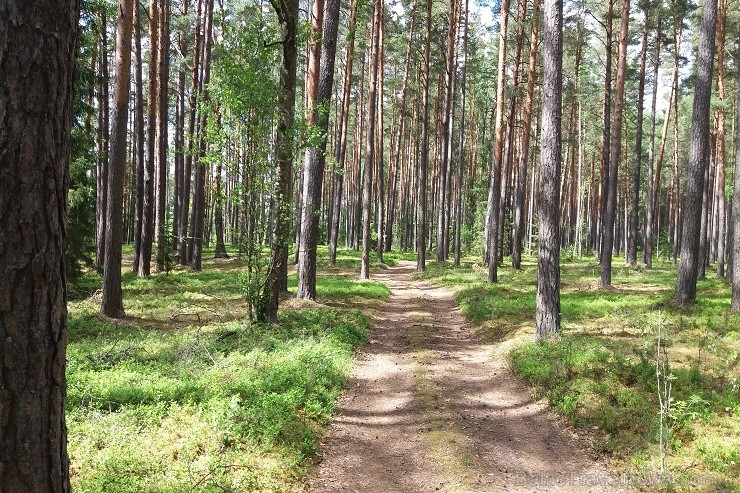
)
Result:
{"points": [[112, 299], [606, 133], [649, 201], [494, 194], [516, 249], [379, 156], [103, 147], [370, 141], [721, 199], [461, 160], [287, 13], [163, 59], [635, 204], [139, 126], [614, 152], [421, 195]]}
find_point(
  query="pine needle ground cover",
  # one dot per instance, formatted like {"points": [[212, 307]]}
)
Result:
{"points": [[600, 372], [184, 395]]}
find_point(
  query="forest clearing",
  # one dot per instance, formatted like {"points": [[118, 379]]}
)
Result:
{"points": [[369, 245], [183, 396]]}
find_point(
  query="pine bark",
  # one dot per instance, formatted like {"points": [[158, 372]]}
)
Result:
{"points": [[548, 266], [37, 63], [421, 182], [494, 194], [163, 72], [112, 302], [635, 202], [650, 192], [734, 275], [457, 247], [370, 141], [316, 156], [614, 152], [516, 249], [139, 128], [721, 199], [338, 183], [103, 146], [699, 149]]}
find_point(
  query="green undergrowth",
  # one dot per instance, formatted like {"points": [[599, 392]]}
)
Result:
{"points": [[184, 395], [600, 372]]}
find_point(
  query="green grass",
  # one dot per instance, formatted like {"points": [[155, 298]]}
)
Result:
{"points": [[600, 371], [184, 395]]}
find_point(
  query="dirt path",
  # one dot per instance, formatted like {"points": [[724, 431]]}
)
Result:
{"points": [[428, 409]]}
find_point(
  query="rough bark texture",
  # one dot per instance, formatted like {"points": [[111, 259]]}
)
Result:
{"points": [[699, 148], [548, 266], [421, 221], [112, 302], [37, 60], [287, 13], [461, 146], [139, 128], [614, 153], [316, 156], [721, 199], [103, 146]]}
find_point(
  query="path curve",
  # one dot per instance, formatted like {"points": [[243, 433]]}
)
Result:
{"points": [[428, 409]]}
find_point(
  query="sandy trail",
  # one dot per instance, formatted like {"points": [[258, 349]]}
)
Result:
{"points": [[429, 409]]}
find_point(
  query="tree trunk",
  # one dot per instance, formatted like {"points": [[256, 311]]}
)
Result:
{"points": [[342, 140], [649, 200], [37, 63], [494, 194], [614, 152], [316, 157], [516, 248], [163, 59], [287, 13], [698, 158], [103, 146], [735, 266], [720, 115], [421, 195], [112, 302], [370, 141], [198, 239], [148, 222], [548, 266], [462, 143], [140, 141], [379, 154], [635, 204]]}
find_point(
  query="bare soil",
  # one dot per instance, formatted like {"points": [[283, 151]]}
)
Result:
{"points": [[428, 408]]}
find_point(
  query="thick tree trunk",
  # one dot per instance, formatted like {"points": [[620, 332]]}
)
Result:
{"points": [[614, 152], [548, 266], [287, 13], [316, 157], [37, 63], [635, 203], [699, 149], [494, 194]]}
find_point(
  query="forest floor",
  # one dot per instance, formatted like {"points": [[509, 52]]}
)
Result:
{"points": [[430, 407]]}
